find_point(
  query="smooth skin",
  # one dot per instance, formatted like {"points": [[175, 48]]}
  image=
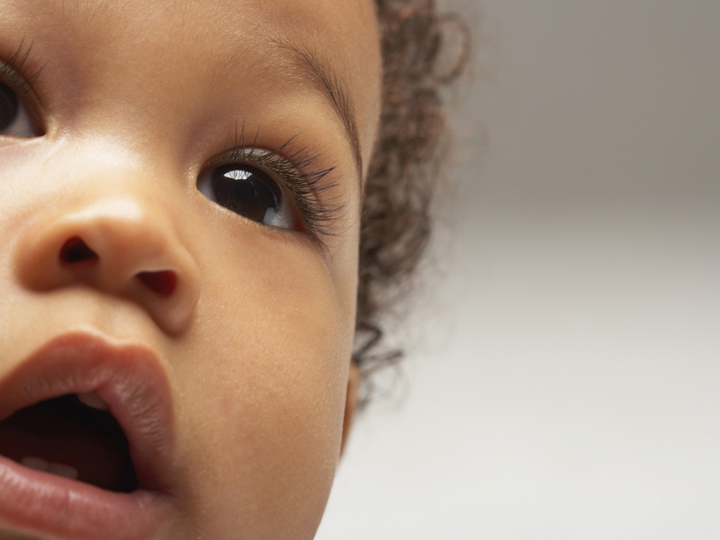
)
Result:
{"points": [[134, 99]]}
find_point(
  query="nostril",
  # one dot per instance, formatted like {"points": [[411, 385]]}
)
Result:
{"points": [[163, 283], [76, 251]]}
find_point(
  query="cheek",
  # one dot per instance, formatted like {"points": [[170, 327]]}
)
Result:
{"points": [[263, 381]]}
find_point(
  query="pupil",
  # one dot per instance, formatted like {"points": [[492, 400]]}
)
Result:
{"points": [[244, 191], [8, 106], [247, 191]]}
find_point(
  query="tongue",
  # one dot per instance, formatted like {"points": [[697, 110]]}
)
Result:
{"points": [[62, 435]]}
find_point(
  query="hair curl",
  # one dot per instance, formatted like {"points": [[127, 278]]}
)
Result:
{"points": [[395, 226]]}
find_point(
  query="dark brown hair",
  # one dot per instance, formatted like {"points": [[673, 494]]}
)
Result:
{"points": [[402, 174]]}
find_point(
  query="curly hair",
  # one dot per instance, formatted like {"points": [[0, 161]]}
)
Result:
{"points": [[401, 178]]}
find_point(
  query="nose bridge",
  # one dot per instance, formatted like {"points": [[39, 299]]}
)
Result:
{"points": [[116, 236]]}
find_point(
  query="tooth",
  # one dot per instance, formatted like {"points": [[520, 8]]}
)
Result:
{"points": [[63, 470], [93, 400], [36, 463]]}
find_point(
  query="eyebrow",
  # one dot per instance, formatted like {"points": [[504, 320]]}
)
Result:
{"points": [[314, 70]]}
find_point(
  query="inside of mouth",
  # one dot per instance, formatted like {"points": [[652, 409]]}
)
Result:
{"points": [[66, 437]]}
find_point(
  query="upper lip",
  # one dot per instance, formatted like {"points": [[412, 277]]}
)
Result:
{"points": [[129, 377]]}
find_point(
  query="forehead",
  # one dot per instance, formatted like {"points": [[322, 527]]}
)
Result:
{"points": [[343, 29], [327, 48]]}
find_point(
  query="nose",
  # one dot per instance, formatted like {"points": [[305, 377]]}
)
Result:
{"points": [[118, 246]]}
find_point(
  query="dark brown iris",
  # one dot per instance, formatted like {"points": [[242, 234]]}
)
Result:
{"points": [[8, 107]]}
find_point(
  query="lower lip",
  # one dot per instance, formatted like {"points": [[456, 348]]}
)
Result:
{"points": [[42, 503]]}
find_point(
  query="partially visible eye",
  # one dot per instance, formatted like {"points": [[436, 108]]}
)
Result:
{"points": [[15, 120], [250, 192]]}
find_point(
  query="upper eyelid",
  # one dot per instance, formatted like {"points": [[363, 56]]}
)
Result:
{"points": [[17, 69], [12, 78], [234, 154], [286, 170], [259, 157], [241, 151]]}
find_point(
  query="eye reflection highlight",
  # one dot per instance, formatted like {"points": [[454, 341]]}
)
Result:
{"points": [[249, 192]]}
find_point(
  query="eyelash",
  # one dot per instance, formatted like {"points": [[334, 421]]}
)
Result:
{"points": [[299, 174], [18, 73], [17, 70], [298, 170]]}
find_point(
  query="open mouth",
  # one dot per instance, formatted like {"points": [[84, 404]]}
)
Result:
{"points": [[86, 442], [71, 436]]}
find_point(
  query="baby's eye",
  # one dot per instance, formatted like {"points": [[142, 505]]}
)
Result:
{"points": [[249, 192], [15, 121]]}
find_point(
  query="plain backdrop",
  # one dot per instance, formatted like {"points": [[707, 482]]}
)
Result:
{"points": [[563, 380]]}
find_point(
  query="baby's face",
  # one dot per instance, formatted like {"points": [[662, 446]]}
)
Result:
{"points": [[179, 222]]}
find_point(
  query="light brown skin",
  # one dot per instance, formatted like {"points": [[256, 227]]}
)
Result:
{"points": [[136, 97]]}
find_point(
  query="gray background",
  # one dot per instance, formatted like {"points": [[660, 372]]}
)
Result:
{"points": [[564, 377]]}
